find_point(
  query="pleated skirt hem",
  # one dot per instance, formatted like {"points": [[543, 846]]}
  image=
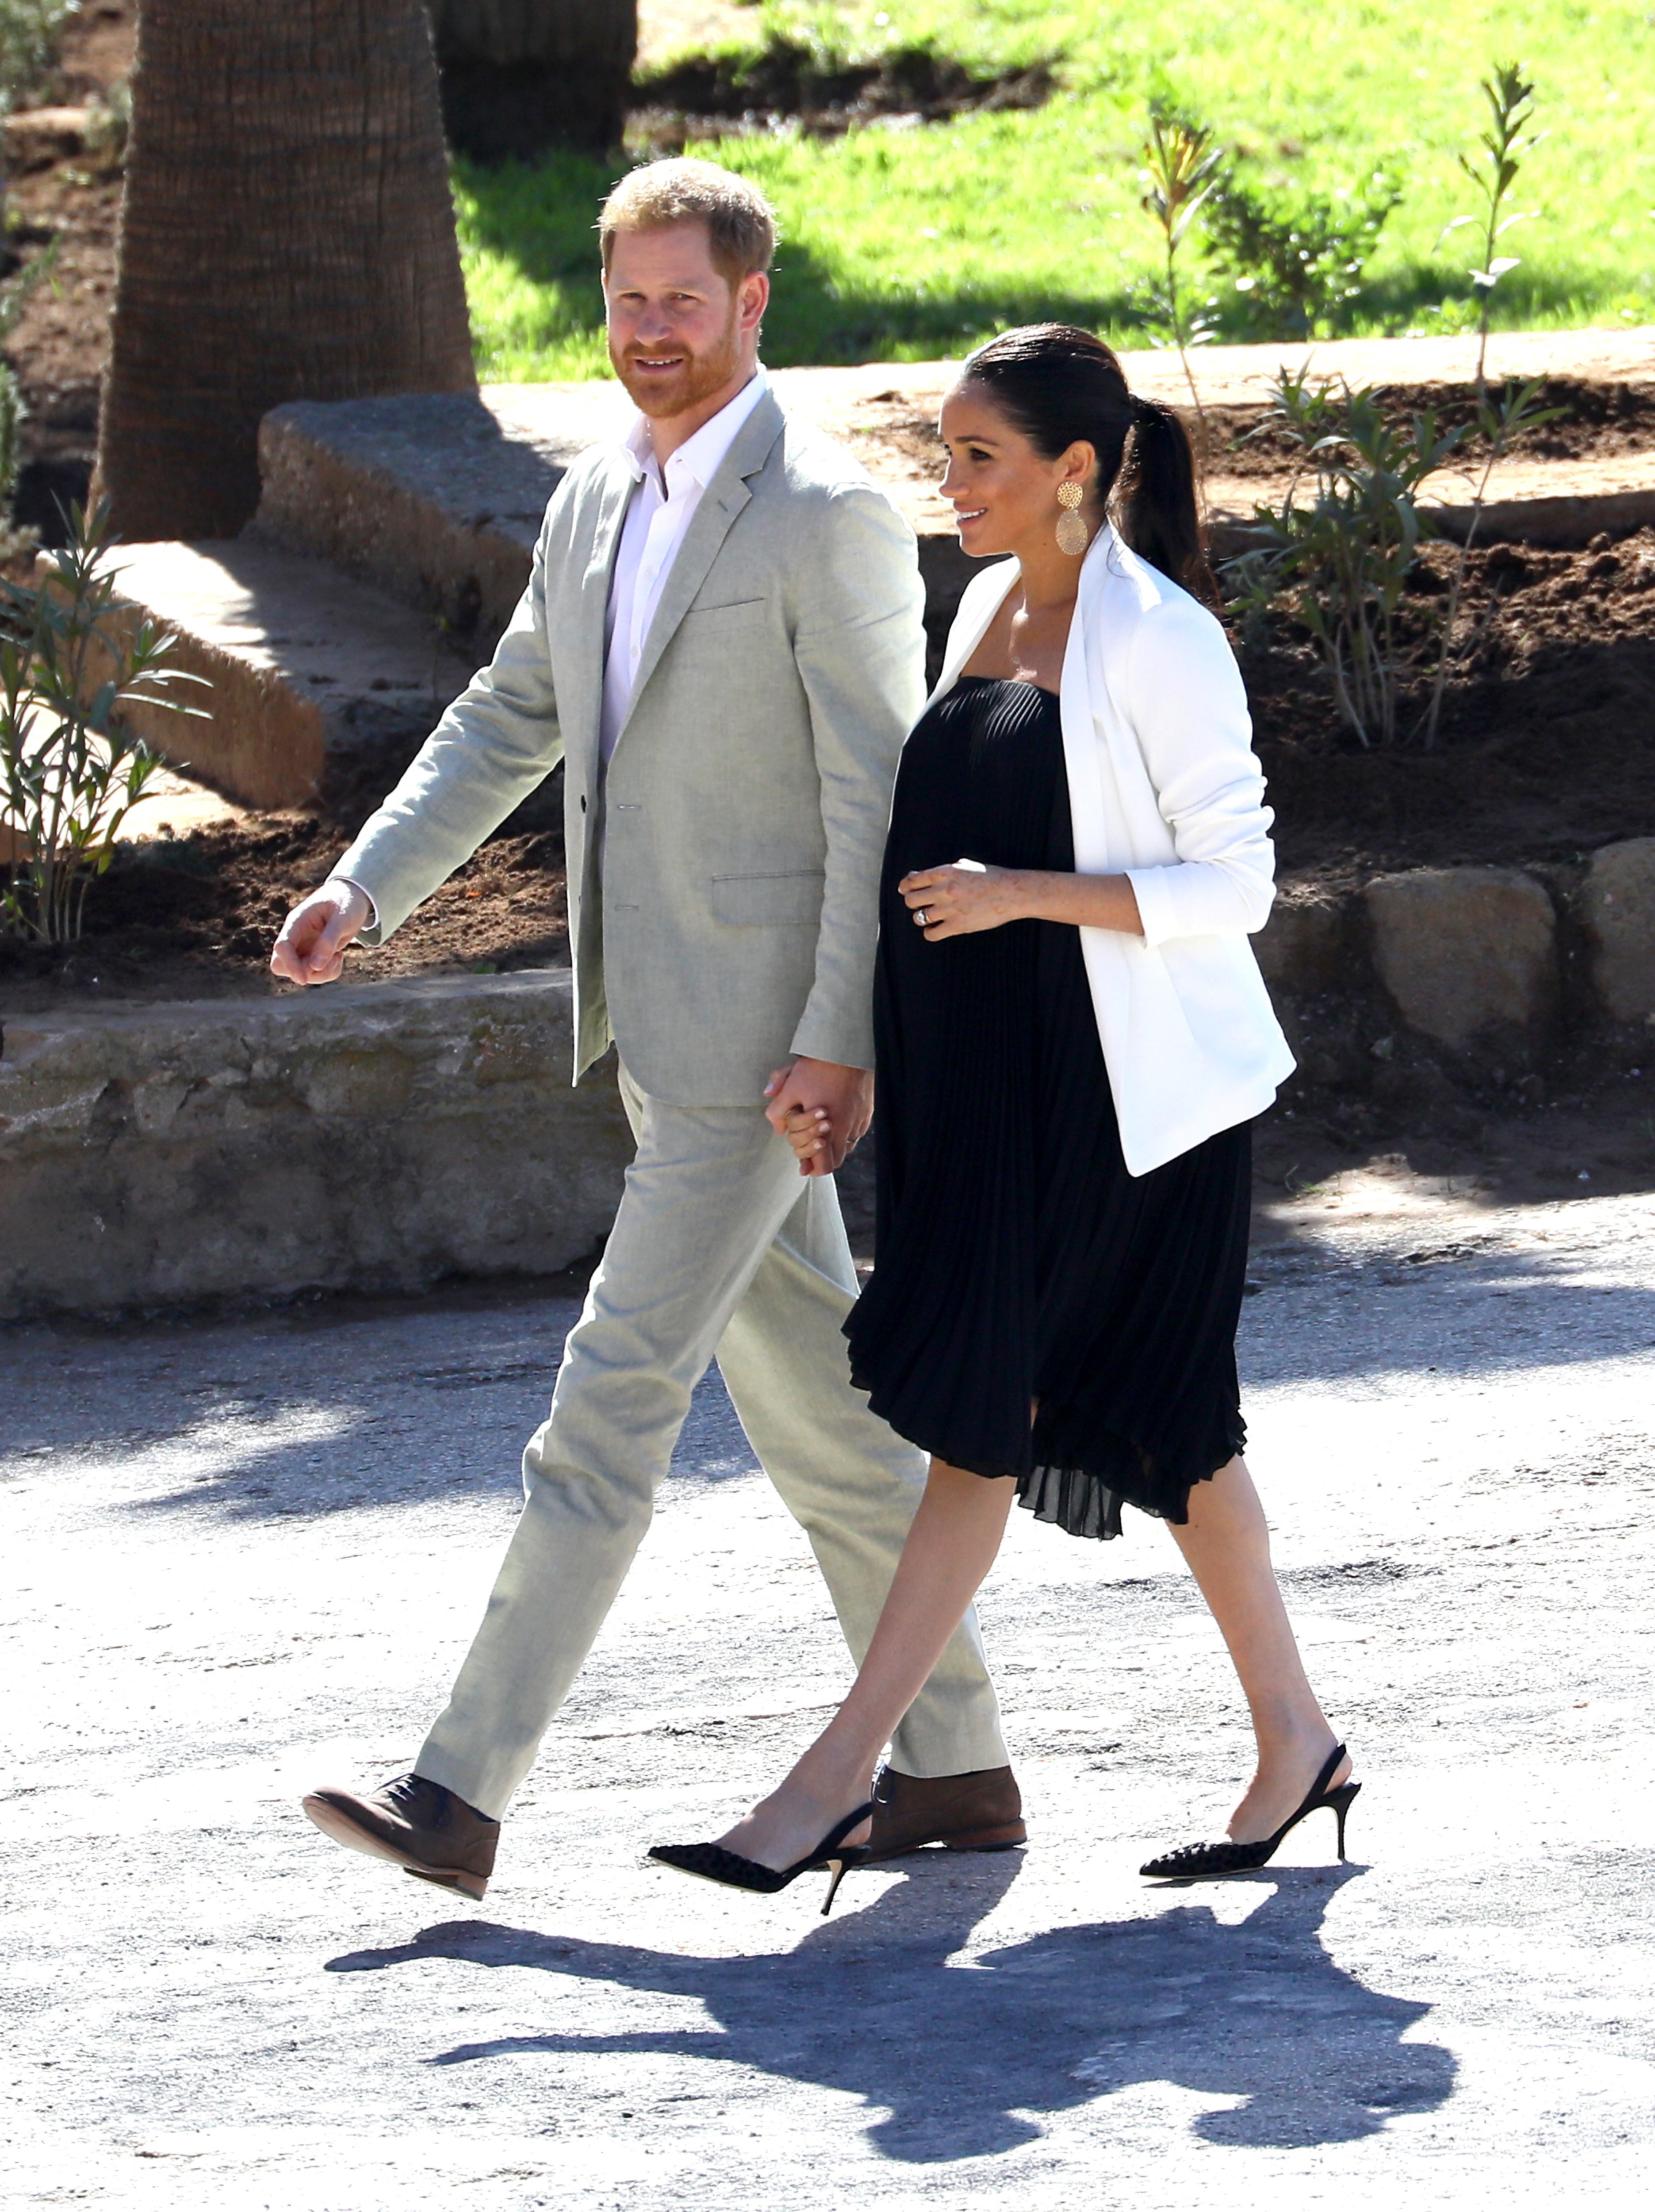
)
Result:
{"points": [[1087, 1500]]}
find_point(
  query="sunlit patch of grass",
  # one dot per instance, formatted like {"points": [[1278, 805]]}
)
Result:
{"points": [[906, 244]]}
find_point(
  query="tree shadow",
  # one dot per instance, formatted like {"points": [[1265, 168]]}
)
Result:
{"points": [[962, 2057], [339, 1444]]}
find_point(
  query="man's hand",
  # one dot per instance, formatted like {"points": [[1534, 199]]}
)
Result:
{"points": [[833, 1105], [311, 946]]}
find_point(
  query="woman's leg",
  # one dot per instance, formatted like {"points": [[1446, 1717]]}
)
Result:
{"points": [[950, 1548], [1226, 1544]]}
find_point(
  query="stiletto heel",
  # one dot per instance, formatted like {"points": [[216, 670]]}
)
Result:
{"points": [[841, 1867], [712, 1862], [1340, 1800], [1199, 1862]]}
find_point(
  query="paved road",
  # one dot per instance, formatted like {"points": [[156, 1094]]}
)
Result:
{"points": [[247, 1557]]}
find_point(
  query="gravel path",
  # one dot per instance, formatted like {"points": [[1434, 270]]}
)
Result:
{"points": [[247, 1556]]}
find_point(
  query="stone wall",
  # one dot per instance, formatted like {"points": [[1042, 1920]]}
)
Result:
{"points": [[383, 1135], [377, 1136], [1474, 975]]}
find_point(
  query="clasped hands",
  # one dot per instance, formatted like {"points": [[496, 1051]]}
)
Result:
{"points": [[823, 1109]]}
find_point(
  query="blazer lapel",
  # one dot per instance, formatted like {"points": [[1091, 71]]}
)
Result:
{"points": [[582, 716], [988, 592], [721, 502]]}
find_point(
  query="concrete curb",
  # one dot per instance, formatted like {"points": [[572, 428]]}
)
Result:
{"points": [[377, 1136]]}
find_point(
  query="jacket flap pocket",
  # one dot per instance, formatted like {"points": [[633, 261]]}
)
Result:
{"points": [[794, 897]]}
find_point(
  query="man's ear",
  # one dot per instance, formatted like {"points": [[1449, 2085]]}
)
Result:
{"points": [[753, 299]]}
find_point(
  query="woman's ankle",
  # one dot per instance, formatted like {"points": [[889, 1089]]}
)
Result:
{"points": [[834, 1785]]}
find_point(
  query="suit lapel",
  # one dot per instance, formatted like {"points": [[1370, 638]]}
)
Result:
{"points": [[583, 714], [722, 501]]}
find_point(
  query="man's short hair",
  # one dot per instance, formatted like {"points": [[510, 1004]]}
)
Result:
{"points": [[741, 224]]}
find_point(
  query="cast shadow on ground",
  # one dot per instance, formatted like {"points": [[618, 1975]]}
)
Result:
{"points": [[963, 2057], [461, 1434]]}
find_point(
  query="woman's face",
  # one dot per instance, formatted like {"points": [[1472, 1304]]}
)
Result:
{"points": [[1003, 492]]}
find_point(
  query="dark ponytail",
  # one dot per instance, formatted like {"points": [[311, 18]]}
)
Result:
{"points": [[1160, 510], [1058, 386]]}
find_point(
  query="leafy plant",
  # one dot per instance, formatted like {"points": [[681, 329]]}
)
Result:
{"points": [[71, 659], [1501, 421], [1296, 260], [1339, 561], [30, 31], [1179, 173], [1511, 103]]}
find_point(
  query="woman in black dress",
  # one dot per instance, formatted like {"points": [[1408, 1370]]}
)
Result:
{"points": [[1072, 1042]]}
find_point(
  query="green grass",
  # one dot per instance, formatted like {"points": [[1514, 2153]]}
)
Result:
{"points": [[906, 244]]}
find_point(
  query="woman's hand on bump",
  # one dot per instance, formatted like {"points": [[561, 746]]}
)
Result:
{"points": [[966, 895]]}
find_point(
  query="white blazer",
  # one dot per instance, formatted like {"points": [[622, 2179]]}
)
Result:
{"points": [[1165, 788]]}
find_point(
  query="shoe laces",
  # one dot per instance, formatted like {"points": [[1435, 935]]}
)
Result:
{"points": [[408, 1790]]}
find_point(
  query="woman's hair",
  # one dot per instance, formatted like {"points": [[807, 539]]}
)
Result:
{"points": [[1058, 386]]}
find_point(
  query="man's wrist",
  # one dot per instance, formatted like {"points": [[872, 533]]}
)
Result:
{"points": [[350, 883]]}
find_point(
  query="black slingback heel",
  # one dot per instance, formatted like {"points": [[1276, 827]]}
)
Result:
{"points": [[712, 1862], [1196, 1862]]}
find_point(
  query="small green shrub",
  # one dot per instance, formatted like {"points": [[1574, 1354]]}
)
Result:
{"points": [[1294, 260], [1339, 561], [1178, 175], [71, 658], [1510, 133]]}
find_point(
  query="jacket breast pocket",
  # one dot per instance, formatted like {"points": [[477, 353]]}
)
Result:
{"points": [[713, 610], [791, 900]]}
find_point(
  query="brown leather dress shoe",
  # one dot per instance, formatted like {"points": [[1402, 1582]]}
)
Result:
{"points": [[417, 1825], [978, 1812]]}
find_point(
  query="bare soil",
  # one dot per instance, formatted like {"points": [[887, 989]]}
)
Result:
{"points": [[1547, 750], [1596, 422], [1547, 743], [61, 345], [194, 917]]}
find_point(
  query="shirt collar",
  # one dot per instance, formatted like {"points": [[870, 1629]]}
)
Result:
{"points": [[701, 455]]}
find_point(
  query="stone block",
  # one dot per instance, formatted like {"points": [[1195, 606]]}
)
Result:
{"points": [[362, 1136], [322, 689], [436, 498], [1303, 946], [1616, 907], [1467, 954]]}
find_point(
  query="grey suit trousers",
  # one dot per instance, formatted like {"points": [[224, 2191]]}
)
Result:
{"points": [[718, 1246]]}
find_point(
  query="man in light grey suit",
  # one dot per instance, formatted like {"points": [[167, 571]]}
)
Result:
{"points": [[721, 639]]}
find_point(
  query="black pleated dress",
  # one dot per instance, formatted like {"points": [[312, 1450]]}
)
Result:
{"points": [[1016, 1260]]}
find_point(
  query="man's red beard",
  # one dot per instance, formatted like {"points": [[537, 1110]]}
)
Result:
{"points": [[697, 378]]}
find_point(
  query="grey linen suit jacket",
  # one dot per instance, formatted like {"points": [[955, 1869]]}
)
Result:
{"points": [[726, 918]]}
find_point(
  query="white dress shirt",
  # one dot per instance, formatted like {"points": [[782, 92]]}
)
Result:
{"points": [[662, 507]]}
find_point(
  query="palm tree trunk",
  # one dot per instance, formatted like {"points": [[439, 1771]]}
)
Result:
{"points": [[287, 232], [520, 76]]}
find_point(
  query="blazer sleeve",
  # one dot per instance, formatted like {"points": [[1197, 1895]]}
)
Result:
{"points": [[1188, 709], [495, 744], [859, 645]]}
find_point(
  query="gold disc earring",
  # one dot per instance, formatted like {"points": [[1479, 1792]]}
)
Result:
{"points": [[1073, 536]]}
